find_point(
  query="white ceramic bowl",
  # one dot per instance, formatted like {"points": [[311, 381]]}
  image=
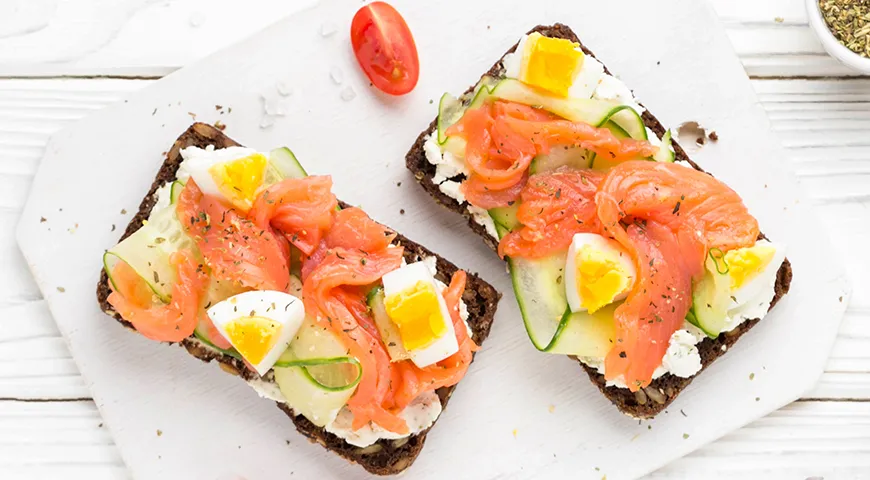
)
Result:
{"points": [[834, 47]]}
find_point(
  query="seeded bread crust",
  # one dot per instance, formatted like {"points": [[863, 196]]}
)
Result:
{"points": [[386, 457], [654, 399]]}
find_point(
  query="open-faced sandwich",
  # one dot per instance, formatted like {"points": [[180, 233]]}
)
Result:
{"points": [[359, 334], [624, 254]]}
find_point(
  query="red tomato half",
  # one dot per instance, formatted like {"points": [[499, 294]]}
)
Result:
{"points": [[384, 48]]}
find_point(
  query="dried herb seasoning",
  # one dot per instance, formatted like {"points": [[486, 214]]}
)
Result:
{"points": [[849, 21]]}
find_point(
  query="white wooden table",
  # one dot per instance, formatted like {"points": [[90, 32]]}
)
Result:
{"points": [[62, 59]]}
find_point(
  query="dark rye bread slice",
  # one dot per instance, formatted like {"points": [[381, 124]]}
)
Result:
{"points": [[386, 457], [652, 400]]}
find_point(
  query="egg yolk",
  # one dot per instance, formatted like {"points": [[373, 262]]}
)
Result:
{"points": [[253, 337], [550, 63], [240, 179], [600, 278], [745, 263], [417, 313]]}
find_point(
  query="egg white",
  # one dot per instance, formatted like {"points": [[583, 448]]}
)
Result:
{"points": [[752, 300], [406, 277], [198, 161], [279, 307], [599, 243]]}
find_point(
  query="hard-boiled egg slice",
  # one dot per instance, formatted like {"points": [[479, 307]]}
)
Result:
{"points": [[414, 303], [752, 272], [235, 173], [598, 272], [555, 65], [259, 324]]}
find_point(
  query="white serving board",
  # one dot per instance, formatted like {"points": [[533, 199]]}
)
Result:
{"points": [[518, 413]]}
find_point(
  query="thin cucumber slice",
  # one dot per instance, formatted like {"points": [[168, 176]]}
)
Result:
{"points": [[203, 337], [175, 191], [455, 146], [148, 250], [286, 163], [573, 157], [328, 374], [712, 295], [540, 291], [217, 291], [482, 91], [505, 217], [618, 131], [390, 335], [666, 150], [502, 231], [316, 375], [450, 110], [314, 343], [591, 111], [306, 397], [630, 123]]}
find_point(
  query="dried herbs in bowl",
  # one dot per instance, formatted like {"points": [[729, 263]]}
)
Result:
{"points": [[849, 22]]}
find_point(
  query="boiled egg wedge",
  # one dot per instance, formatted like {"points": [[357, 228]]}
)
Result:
{"points": [[555, 65], [235, 174], [414, 304], [752, 274], [598, 272], [259, 324]]}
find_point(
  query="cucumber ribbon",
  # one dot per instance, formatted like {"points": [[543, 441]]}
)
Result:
{"points": [[319, 365]]}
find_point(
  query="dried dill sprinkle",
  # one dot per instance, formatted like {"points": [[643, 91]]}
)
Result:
{"points": [[849, 21]]}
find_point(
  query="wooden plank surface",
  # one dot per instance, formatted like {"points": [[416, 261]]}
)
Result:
{"points": [[49, 428]]}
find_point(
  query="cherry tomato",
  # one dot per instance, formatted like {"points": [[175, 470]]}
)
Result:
{"points": [[385, 48]]}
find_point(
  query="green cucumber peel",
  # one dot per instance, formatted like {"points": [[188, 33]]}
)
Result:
{"points": [[229, 352], [107, 266], [373, 293], [317, 362], [691, 318], [284, 160], [665, 153], [293, 362], [718, 258], [175, 191], [628, 124], [505, 217], [483, 90], [560, 327], [450, 110]]}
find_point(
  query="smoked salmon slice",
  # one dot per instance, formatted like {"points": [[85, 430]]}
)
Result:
{"points": [[503, 137], [655, 308], [172, 322], [680, 197], [341, 267], [355, 229], [355, 254], [234, 248], [301, 208], [554, 206], [675, 215]]}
